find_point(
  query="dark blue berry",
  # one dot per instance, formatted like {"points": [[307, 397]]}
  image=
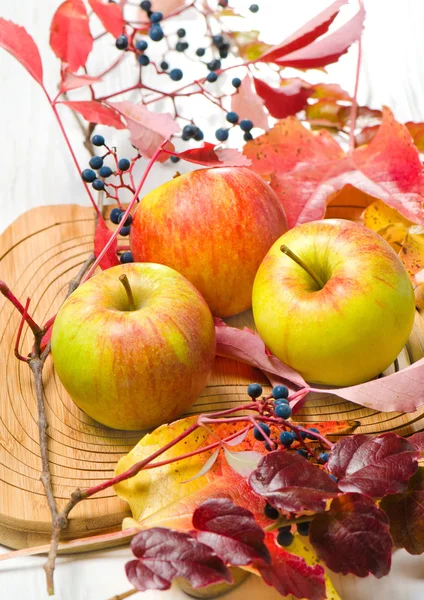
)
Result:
{"points": [[232, 117], [246, 125], [98, 140], [96, 162], [164, 65], [280, 401], [223, 3], [146, 5], [155, 17], [302, 452], [221, 134], [268, 447], [176, 74], [128, 220], [98, 185], [156, 33], [121, 42], [287, 438], [323, 457], [303, 528], [141, 45], [189, 130], [211, 77], [280, 391], [200, 52], [181, 32], [214, 65], [254, 8], [285, 528], [283, 411], [181, 46], [223, 53], [270, 512], [175, 159], [126, 257], [114, 215], [199, 135], [247, 137], [254, 390], [88, 175], [125, 231], [284, 538], [124, 164], [143, 60], [105, 171], [314, 429], [257, 433], [236, 82], [303, 435], [218, 40]]}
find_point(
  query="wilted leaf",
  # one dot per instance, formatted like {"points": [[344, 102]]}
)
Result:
{"points": [[286, 100], [15, 40], [101, 237], [71, 81], [243, 463], [70, 37], [378, 216], [292, 484], [95, 112], [248, 105], [374, 466], [412, 250], [110, 14], [210, 155], [417, 133]]}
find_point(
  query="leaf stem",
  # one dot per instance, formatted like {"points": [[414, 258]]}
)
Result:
{"points": [[286, 250]]}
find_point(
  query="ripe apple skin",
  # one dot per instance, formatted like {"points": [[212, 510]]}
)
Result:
{"points": [[214, 226], [134, 369], [351, 329]]}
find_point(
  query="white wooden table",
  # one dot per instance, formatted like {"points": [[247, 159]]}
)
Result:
{"points": [[36, 169]]}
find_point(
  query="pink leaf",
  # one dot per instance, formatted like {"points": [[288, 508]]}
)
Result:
{"points": [[210, 155], [243, 463], [70, 36], [286, 100], [148, 129], [71, 81], [249, 105], [101, 237], [15, 40], [110, 15], [306, 34], [95, 112], [167, 7]]}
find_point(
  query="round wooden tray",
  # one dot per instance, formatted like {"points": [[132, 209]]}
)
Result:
{"points": [[39, 254]]}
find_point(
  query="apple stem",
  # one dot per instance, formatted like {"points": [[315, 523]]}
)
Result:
{"points": [[124, 280], [286, 250]]}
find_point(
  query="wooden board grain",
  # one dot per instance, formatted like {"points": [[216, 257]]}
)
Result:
{"points": [[39, 254]]}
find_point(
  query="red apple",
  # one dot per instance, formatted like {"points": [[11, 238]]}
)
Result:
{"points": [[214, 226]]}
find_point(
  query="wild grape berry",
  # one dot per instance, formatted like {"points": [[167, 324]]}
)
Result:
{"points": [[254, 390], [284, 538], [121, 42], [175, 159], [221, 134], [176, 74], [236, 82], [181, 32], [315, 430], [128, 220], [232, 117], [98, 185], [268, 447], [280, 391], [143, 60], [114, 215], [283, 411], [254, 8], [96, 162], [105, 171], [270, 512], [88, 175], [246, 125], [164, 65], [189, 131], [302, 452], [146, 5], [323, 457], [223, 3], [125, 231], [278, 401], [181, 46], [303, 435], [303, 528], [214, 65], [287, 438], [98, 140], [218, 40], [223, 53], [155, 17], [124, 164], [200, 52], [257, 433], [247, 137], [156, 33], [141, 45], [211, 77], [126, 257], [199, 135]]}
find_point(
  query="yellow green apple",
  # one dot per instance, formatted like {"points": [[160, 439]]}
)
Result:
{"points": [[134, 345], [336, 304], [214, 226]]}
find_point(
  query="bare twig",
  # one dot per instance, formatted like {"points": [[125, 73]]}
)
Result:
{"points": [[124, 595]]}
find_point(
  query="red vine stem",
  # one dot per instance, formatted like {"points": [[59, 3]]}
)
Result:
{"points": [[4, 289], [354, 107], [18, 337]]}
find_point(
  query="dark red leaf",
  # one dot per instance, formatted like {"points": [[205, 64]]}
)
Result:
{"points": [[286, 100], [373, 466], [70, 37], [306, 34], [329, 49], [418, 441], [290, 574], [292, 484], [70, 81], [211, 156], [406, 515], [110, 15], [231, 531], [101, 237], [95, 112], [15, 40], [353, 536], [163, 554]]}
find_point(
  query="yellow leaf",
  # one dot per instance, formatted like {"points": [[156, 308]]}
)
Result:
{"points": [[347, 203], [378, 216], [302, 548], [412, 251]]}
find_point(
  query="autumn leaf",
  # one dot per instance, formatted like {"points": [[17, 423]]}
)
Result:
{"points": [[167, 7], [210, 155], [330, 91], [70, 37], [248, 105], [101, 237], [15, 40], [110, 15], [328, 428], [96, 112], [288, 99], [70, 81]]}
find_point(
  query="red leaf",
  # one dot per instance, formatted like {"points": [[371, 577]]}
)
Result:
{"points": [[246, 347], [406, 515], [328, 49], [163, 554], [373, 466], [290, 574], [231, 531], [110, 15], [306, 34], [95, 112], [15, 40], [327, 428], [71, 81], [418, 440], [286, 100], [353, 537], [292, 484], [70, 37], [210, 155], [249, 105], [101, 237]]}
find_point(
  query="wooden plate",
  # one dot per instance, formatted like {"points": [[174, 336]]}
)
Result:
{"points": [[39, 254]]}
